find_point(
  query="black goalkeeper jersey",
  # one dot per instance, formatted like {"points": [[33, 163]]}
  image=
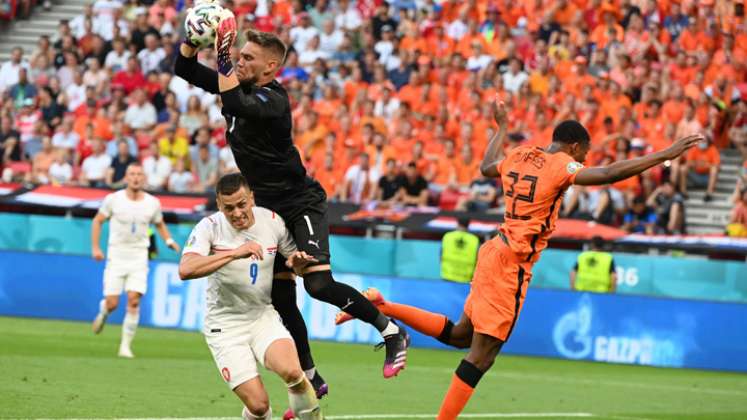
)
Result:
{"points": [[259, 131]]}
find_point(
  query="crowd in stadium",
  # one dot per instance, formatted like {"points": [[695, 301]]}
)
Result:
{"points": [[392, 99]]}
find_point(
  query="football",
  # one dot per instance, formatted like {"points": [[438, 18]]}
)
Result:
{"points": [[201, 22]]}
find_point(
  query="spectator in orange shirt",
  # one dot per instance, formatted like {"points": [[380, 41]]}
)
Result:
{"points": [[312, 135], [467, 167], [701, 168], [609, 30], [446, 171]]}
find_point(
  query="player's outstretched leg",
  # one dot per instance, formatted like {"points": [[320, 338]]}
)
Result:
{"points": [[321, 286], [129, 324], [480, 358], [281, 358], [107, 305], [431, 324], [284, 301]]}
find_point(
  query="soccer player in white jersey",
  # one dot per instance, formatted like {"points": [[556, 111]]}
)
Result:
{"points": [[130, 212], [236, 249]]}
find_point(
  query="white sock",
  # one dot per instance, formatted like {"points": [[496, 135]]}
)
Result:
{"points": [[102, 308], [310, 373], [391, 328], [302, 400], [247, 415], [129, 326]]}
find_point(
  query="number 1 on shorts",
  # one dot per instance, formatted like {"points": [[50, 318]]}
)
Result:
{"points": [[253, 270]]}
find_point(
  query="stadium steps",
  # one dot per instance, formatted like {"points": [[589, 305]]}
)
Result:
{"points": [[26, 33], [709, 218]]}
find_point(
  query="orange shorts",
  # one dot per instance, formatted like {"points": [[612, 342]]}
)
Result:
{"points": [[499, 285]]}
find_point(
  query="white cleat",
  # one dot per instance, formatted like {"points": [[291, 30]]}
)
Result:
{"points": [[98, 323], [126, 353]]}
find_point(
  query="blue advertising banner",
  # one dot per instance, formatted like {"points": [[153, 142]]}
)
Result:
{"points": [[689, 278], [554, 323]]}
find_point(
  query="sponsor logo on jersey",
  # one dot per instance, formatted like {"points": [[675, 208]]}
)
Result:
{"points": [[272, 250]]}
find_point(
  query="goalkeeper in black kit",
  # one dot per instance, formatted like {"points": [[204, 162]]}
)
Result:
{"points": [[259, 126]]}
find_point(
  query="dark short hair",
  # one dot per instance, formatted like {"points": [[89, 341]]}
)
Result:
{"points": [[597, 242], [463, 221], [230, 183], [570, 131], [267, 40]]}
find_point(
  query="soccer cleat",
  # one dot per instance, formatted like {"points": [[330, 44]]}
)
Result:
{"points": [[372, 294], [98, 323], [396, 352], [289, 415], [320, 387], [125, 352]]}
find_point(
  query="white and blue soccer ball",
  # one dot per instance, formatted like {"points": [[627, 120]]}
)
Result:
{"points": [[201, 22]]}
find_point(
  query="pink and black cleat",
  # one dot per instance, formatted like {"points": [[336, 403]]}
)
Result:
{"points": [[372, 294], [396, 352]]}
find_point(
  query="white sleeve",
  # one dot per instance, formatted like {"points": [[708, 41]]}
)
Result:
{"points": [[200, 240], [157, 213], [286, 244], [106, 206]]}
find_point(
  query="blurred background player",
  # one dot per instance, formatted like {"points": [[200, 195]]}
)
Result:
{"points": [[236, 248], [130, 212], [594, 270], [459, 253], [258, 113], [534, 180]]}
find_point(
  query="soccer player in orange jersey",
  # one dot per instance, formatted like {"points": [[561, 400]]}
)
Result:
{"points": [[534, 180]]}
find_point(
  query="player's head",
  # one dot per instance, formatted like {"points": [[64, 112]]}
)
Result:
{"points": [[135, 177], [572, 138], [235, 200], [597, 243], [260, 58]]}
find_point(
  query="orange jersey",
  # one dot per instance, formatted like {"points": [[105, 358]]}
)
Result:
{"points": [[533, 185]]}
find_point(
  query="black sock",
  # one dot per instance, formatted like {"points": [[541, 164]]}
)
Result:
{"points": [[469, 373], [445, 336], [284, 301], [322, 286]]}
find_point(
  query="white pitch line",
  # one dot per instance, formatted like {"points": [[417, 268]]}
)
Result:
{"points": [[583, 381], [400, 416], [461, 416]]}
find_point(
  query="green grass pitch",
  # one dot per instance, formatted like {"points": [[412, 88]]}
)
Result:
{"points": [[53, 369]]}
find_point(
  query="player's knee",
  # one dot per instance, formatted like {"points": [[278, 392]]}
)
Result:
{"points": [[112, 303], [292, 376], [317, 283], [258, 407], [133, 305], [256, 402]]}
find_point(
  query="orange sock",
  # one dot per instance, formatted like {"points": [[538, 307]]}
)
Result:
{"points": [[428, 323], [455, 400]]}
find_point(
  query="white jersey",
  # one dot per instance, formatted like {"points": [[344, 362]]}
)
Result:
{"points": [[128, 224], [240, 291]]}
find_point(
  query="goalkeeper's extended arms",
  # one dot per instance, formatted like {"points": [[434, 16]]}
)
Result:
{"points": [[187, 67]]}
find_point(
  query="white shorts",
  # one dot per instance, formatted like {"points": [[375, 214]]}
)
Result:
{"points": [[237, 350], [119, 276]]}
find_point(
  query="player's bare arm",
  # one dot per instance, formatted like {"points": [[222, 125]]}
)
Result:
{"points": [[494, 153], [194, 266], [96, 251], [630, 167], [163, 230]]}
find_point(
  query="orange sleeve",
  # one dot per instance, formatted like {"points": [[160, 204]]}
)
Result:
{"points": [[565, 169]]}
